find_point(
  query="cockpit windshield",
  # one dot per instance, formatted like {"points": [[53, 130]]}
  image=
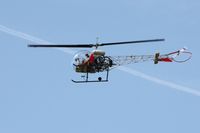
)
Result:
{"points": [[81, 57]]}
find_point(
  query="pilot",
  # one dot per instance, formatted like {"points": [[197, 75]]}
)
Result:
{"points": [[87, 58]]}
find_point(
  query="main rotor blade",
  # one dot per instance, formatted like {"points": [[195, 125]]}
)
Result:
{"points": [[61, 46], [128, 42], [89, 45]]}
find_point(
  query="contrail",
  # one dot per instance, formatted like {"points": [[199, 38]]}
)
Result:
{"points": [[122, 68], [30, 38], [160, 81]]}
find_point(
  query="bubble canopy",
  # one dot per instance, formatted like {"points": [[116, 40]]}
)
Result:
{"points": [[80, 57]]}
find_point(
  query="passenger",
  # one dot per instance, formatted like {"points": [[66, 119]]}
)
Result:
{"points": [[77, 60], [87, 55]]}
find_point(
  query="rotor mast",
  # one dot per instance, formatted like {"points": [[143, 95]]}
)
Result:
{"points": [[97, 42]]}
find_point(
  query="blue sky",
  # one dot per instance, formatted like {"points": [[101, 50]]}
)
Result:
{"points": [[36, 94]]}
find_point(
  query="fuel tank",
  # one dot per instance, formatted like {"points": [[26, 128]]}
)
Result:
{"points": [[98, 52]]}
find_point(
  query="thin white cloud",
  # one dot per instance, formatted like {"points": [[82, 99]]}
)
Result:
{"points": [[122, 68]]}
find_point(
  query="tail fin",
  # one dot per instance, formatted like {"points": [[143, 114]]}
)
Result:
{"points": [[156, 59]]}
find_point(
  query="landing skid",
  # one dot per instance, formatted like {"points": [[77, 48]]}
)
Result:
{"points": [[89, 81]]}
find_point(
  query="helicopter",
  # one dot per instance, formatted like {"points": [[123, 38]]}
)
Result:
{"points": [[96, 61]]}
